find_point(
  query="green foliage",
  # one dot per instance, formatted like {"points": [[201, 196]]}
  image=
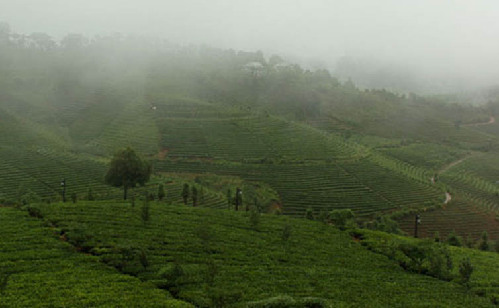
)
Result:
{"points": [[145, 211], [465, 271], [287, 231], [161, 192], [342, 218], [74, 197], [454, 239], [90, 194], [484, 243], [185, 193], [252, 261], [436, 237], [254, 218], [172, 276], [309, 213], [194, 196], [31, 253], [144, 261], [127, 170], [286, 301], [35, 212]]}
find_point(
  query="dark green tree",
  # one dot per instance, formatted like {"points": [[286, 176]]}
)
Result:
{"points": [[484, 243], [238, 198], [194, 196], [161, 192], [127, 170], [465, 271], [185, 193], [144, 214]]}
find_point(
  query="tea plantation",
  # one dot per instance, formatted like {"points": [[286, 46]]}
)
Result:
{"points": [[38, 269], [215, 257]]}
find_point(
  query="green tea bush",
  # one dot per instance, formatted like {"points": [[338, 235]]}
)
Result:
{"points": [[342, 218]]}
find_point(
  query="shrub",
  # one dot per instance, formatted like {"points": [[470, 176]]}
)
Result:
{"points": [[185, 193], [35, 212], [465, 271], [254, 218], [161, 192], [454, 240], [171, 276], [144, 214], [309, 214], [341, 218], [436, 237], [484, 243]]}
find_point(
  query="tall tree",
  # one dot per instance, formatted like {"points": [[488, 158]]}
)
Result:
{"points": [[194, 196], [127, 170], [185, 193]]}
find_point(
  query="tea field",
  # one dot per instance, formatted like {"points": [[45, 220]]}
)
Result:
{"points": [[207, 256], [38, 269]]}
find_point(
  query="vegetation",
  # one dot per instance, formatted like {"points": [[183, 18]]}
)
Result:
{"points": [[215, 250], [234, 130], [127, 170]]}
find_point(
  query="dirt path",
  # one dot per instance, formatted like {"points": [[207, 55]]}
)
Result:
{"points": [[454, 163], [491, 121]]}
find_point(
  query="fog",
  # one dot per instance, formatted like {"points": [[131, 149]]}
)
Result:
{"points": [[453, 44]]}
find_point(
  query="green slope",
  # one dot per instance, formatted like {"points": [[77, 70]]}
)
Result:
{"points": [[39, 270], [225, 257]]}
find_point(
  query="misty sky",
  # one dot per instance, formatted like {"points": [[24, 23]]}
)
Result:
{"points": [[441, 37]]}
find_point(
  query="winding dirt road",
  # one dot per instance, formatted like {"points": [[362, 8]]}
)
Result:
{"points": [[490, 121], [448, 196]]}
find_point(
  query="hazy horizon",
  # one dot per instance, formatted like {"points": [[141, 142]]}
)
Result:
{"points": [[436, 40]]}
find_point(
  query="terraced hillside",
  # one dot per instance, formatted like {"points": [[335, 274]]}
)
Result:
{"points": [[38, 269], [460, 216], [209, 256]]}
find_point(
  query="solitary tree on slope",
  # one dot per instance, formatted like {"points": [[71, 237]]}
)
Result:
{"points": [[127, 170]]}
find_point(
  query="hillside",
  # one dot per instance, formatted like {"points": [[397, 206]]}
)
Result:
{"points": [[297, 142], [206, 256]]}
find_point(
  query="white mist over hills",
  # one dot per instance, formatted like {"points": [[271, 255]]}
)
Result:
{"points": [[433, 46]]}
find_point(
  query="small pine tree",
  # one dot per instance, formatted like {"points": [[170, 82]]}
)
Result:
{"points": [[194, 196], [436, 237], [161, 192], [484, 244], [185, 193], [465, 271], [145, 211], [286, 232]]}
